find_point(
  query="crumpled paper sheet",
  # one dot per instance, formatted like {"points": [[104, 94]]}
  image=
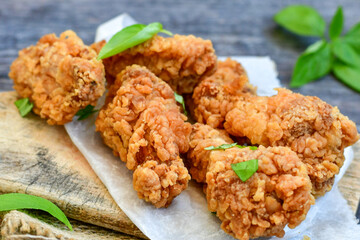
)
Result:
{"points": [[188, 217]]}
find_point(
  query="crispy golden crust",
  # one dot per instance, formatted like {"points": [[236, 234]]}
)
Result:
{"points": [[144, 126], [278, 194], [59, 75], [179, 60], [216, 94], [203, 136], [316, 131]]}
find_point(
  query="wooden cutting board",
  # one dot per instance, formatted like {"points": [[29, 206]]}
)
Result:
{"points": [[41, 160]]}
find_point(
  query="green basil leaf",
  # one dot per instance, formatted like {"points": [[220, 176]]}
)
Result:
{"points": [[16, 201], [345, 52], [24, 106], [86, 112], [301, 19], [315, 47], [312, 65], [354, 31], [180, 100], [336, 24], [226, 146], [251, 147], [353, 37], [129, 37], [221, 147], [349, 75], [245, 170]]}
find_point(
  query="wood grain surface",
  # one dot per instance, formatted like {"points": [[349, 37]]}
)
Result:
{"points": [[35, 225], [349, 185], [236, 27], [39, 159]]}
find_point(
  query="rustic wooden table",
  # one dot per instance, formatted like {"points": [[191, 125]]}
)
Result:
{"points": [[235, 28]]}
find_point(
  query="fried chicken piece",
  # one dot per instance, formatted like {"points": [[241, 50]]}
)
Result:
{"points": [[203, 136], [59, 75], [179, 60], [278, 194], [143, 125], [216, 94], [313, 129]]}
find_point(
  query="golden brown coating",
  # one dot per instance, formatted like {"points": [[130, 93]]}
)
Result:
{"points": [[316, 131], [203, 136], [216, 94], [278, 194], [179, 60], [59, 75], [143, 125]]}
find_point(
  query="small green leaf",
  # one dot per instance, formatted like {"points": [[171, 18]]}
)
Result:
{"points": [[221, 147], [345, 52], [251, 147], [315, 47], [24, 106], [226, 146], [301, 19], [16, 201], [129, 37], [180, 100], [245, 170], [354, 31], [349, 75], [353, 37], [312, 65], [86, 112], [336, 24]]}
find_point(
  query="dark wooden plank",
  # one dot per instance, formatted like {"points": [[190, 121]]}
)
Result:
{"points": [[235, 27]]}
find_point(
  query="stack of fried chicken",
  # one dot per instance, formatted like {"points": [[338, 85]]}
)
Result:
{"points": [[300, 139]]}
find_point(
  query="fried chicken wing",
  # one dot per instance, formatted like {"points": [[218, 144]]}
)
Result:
{"points": [[143, 125], [278, 194], [216, 94], [316, 131], [59, 75], [179, 60]]}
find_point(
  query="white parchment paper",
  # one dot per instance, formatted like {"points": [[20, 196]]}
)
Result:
{"points": [[188, 217]]}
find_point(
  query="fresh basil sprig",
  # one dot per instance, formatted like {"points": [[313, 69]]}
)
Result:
{"points": [[24, 106], [129, 37], [17, 201], [86, 112], [339, 54], [246, 169], [302, 20], [226, 146], [180, 100]]}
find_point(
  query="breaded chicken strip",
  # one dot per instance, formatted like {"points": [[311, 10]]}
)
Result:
{"points": [[216, 94], [143, 125], [316, 131], [179, 60], [278, 194], [59, 75]]}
